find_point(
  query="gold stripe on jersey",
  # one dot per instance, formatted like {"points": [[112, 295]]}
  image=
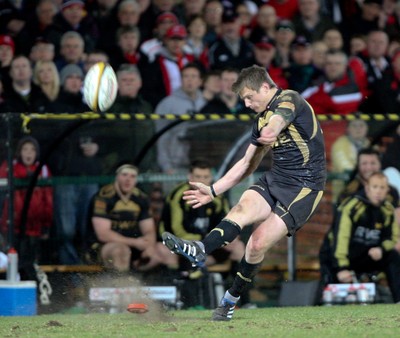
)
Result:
{"points": [[315, 122], [301, 144], [344, 234]]}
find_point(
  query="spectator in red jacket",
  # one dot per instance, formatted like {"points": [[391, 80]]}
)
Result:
{"points": [[40, 212], [338, 93]]}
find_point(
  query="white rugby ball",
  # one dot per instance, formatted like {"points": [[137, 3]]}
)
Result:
{"points": [[100, 87]]}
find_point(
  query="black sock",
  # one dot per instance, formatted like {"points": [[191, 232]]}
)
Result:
{"points": [[244, 277], [224, 233]]}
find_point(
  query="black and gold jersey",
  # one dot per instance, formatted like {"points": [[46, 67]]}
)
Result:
{"points": [[299, 152], [359, 226], [125, 215]]}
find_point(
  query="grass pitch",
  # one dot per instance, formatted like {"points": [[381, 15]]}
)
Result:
{"points": [[336, 321]]}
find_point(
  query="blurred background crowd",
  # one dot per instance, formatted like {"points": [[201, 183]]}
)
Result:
{"points": [[177, 57]]}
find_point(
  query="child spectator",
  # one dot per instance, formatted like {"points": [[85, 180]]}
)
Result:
{"points": [[39, 217]]}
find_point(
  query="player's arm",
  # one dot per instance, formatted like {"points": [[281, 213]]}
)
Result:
{"points": [[269, 134], [253, 156], [203, 194], [242, 169], [148, 238]]}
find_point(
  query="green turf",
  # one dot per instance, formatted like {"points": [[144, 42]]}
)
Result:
{"points": [[337, 321]]}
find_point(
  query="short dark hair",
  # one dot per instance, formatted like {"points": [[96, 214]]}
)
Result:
{"points": [[200, 163], [369, 151], [193, 65], [252, 77]]}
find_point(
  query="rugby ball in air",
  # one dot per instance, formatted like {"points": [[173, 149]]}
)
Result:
{"points": [[100, 87]]}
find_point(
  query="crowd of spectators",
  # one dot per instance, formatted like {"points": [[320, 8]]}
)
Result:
{"points": [[182, 56], [311, 46]]}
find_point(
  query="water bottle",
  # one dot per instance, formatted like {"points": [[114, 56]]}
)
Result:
{"points": [[351, 297], [362, 295], [115, 302], [327, 296], [12, 266]]}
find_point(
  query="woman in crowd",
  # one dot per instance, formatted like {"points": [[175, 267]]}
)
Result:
{"points": [[46, 76]]}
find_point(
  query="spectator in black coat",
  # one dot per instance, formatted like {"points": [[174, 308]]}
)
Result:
{"points": [[37, 26], [73, 17], [23, 95], [230, 50], [70, 99]]}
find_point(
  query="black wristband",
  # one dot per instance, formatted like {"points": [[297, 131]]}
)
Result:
{"points": [[213, 191]]}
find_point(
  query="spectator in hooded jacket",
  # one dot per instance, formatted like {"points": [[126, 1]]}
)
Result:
{"points": [[39, 217]]}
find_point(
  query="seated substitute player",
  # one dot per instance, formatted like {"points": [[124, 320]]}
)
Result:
{"points": [[282, 200], [363, 237], [124, 230]]}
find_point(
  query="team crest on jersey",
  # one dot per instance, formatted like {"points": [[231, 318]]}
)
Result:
{"points": [[100, 206]]}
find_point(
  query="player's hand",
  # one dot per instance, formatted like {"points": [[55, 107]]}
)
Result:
{"points": [[375, 253], [200, 195], [267, 137], [345, 276]]}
